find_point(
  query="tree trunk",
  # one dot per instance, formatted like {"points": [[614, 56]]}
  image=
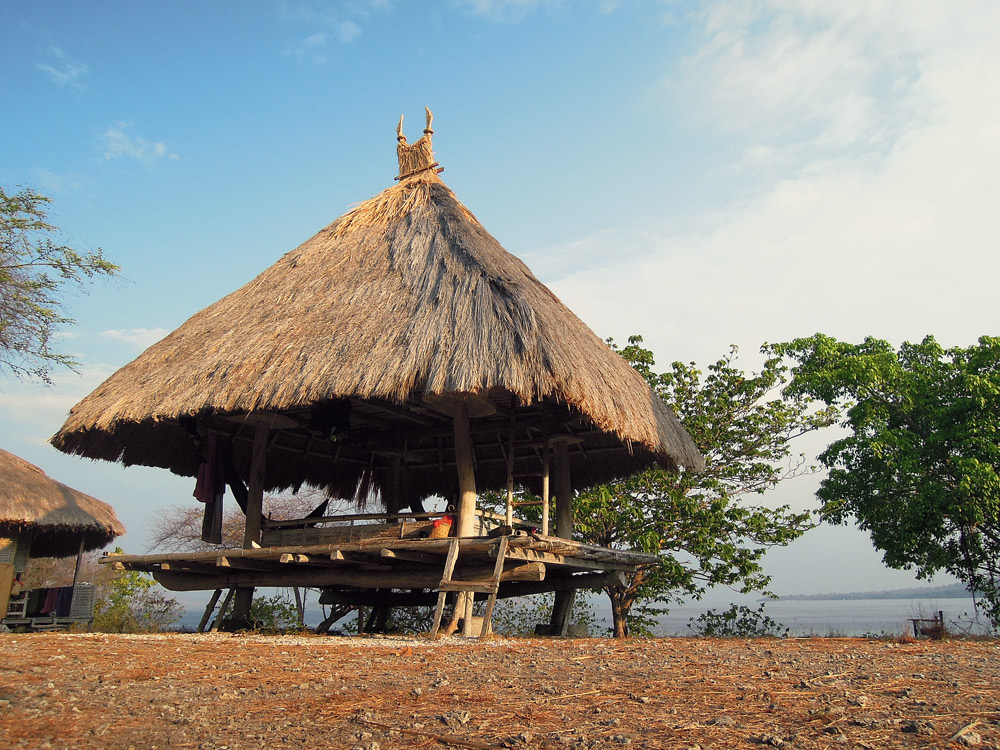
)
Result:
{"points": [[620, 607], [300, 606]]}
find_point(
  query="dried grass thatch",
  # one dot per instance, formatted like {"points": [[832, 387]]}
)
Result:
{"points": [[404, 297], [57, 515]]}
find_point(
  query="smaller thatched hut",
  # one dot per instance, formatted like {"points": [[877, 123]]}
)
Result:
{"points": [[40, 517], [56, 516]]}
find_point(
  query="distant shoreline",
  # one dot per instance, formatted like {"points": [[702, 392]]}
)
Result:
{"points": [[950, 591]]}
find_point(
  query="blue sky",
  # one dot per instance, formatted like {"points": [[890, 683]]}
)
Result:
{"points": [[703, 174]]}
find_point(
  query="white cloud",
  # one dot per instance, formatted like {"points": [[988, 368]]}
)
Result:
{"points": [[311, 50], [813, 81], [38, 409], [878, 217], [63, 70], [50, 182], [331, 23], [347, 31], [120, 144], [509, 11], [140, 338]]}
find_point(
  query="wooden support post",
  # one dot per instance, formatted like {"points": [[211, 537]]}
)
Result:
{"points": [[510, 473], [564, 492], [222, 610], [449, 569], [209, 609], [467, 492], [467, 598], [545, 475], [466, 472], [7, 576], [255, 501], [76, 574], [563, 605], [300, 606], [492, 600], [394, 498], [255, 509]]}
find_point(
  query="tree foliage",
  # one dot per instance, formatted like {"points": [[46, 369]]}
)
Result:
{"points": [[701, 525], [35, 268], [739, 621], [129, 601], [274, 614], [919, 469]]}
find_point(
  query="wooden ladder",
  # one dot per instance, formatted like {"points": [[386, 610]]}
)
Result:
{"points": [[490, 586]]}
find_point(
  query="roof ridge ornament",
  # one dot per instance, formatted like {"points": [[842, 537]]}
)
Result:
{"points": [[416, 157]]}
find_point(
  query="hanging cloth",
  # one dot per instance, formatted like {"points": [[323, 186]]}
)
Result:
{"points": [[209, 489]]}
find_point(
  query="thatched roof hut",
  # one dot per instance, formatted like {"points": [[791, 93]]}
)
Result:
{"points": [[56, 515], [353, 345]]}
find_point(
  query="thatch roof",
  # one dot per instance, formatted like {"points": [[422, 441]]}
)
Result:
{"points": [[403, 298], [57, 515]]}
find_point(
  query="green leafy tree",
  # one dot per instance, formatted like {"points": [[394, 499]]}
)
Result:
{"points": [[738, 621], [35, 268], [701, 525], [919, 467], [274, 614], [130, 602]]}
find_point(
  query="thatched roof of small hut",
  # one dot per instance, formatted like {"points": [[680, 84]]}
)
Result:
{"points": [[404, 298], [57, 515]]}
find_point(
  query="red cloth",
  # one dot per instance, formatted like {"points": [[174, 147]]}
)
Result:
{"points": [[51, 602], [444, 521]]}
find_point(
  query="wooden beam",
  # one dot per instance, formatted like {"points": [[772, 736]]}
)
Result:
{"points": [[561, 583], [444, 403], [289, 557], [324, 578], [475, 545], [550, 558], [410, 556], [273, 420], [393, 598], [244, 563], [179, 567]]}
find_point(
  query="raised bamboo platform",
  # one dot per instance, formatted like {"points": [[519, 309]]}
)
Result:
{"points": [[386, 563], [391, 561]]}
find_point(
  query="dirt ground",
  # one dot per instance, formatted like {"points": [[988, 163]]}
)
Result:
{"points": [[239, 691]]}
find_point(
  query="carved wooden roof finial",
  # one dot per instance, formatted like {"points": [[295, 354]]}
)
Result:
{"points": [[418, 156]]}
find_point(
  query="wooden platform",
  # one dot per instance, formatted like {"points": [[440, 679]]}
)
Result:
{"points": [[532, 564]]}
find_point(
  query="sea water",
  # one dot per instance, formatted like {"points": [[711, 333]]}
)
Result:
{"points": [[835, 617], [803, 617]]}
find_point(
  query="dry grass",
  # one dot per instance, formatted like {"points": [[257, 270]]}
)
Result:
{"points": [[281, 692]]}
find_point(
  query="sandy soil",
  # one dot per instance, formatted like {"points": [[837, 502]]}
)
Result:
{"points": [[238, 691]]}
